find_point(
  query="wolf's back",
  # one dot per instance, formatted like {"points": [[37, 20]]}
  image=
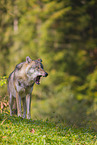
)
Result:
{"points": [[11, 89]]}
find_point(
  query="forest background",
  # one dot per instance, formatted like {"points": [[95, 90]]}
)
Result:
{"points": [[63, 33]]}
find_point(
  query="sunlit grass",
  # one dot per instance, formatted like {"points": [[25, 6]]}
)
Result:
{"points": [[14, 130]]}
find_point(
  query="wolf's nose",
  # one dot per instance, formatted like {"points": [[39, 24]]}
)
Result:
{"points": [[46, 74]]}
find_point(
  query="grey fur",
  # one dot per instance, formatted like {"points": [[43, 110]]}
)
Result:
{"points": [[20, 85]]}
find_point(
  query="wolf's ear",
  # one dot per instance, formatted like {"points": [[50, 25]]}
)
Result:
{"points": [[39, 59], [28, 59], [19, 66]]}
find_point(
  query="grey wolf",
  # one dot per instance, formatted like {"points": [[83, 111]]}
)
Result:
{"points": [[20, 85]]}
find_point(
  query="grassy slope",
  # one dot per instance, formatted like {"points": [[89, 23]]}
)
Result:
{"points": [[18, 131]]}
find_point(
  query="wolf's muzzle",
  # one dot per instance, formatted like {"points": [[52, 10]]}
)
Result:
{"points": [[45, 74]]}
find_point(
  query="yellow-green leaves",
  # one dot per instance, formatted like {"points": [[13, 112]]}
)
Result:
{"points": [[3, 80]]}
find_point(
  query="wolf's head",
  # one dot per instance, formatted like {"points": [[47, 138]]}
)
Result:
{"points": [[34, 70]]}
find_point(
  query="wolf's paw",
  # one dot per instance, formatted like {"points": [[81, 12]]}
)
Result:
{"points": [[24, 116], [28, 117], [19, 115]]}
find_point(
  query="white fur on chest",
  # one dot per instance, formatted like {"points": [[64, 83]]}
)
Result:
{"points": [[24, 91]]}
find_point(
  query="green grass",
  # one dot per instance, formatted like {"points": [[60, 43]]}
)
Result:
{"points": [[17, 131]]}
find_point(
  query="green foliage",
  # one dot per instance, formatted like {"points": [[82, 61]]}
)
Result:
{"points": [[3, 81], [62, 33], [15, 130]]}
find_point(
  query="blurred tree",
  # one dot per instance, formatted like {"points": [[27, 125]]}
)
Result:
{"points": [[64, 35], [6, 39], [5, 34]]}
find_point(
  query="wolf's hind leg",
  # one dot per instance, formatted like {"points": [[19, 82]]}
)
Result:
{"points": [[10, 104], [14, 107]]}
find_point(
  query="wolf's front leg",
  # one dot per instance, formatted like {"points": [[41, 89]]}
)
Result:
{"points": [[28, 103], [18, 100], [24, 107]]}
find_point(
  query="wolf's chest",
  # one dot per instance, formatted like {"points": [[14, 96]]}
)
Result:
{"points": [[24, 90]]}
